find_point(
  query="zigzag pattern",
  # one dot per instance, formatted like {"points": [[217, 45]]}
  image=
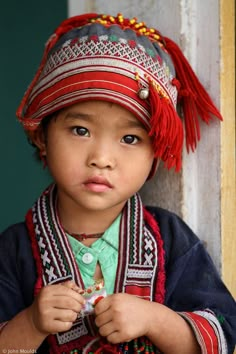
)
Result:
{"points": [[120, 49]]}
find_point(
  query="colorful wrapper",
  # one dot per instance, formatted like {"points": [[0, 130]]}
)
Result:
{"points": [[92, 295]]}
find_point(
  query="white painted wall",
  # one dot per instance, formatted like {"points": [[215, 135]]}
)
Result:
{"points": [[194, 193]]}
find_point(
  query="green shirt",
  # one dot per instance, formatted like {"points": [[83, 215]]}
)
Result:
{"points": [[104, 251]]}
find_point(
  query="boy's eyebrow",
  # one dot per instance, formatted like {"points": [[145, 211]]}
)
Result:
{"points": [[77, 115], [129, 123]]}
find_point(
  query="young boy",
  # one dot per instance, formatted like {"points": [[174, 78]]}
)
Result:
{"points": [[91, 270]]}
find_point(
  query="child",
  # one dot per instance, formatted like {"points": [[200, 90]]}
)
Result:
{"points": [[91, 270]]}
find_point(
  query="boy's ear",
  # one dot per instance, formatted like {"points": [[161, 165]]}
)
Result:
{"points": [[38, 138], [155, 165]]}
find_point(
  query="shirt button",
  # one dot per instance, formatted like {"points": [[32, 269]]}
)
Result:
{"points": [[87, 258]]}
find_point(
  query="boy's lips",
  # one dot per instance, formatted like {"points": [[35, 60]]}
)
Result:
{"points": [[97, 184]]}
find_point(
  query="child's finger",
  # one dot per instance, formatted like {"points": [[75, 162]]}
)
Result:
{"points": [[102, 306], [68, 302], [72, 285], [65, 315], [64, 290]]}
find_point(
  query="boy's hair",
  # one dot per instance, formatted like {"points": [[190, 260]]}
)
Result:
{"points": [[44, 125], [121, 60]]}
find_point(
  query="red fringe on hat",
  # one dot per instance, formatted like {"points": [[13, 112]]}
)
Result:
{"points": [[194, 100], [166, 130], [73, 22]]}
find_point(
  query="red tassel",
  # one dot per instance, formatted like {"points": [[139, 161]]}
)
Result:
{"points": [[194, 100], [73, 22], [166, 130]]}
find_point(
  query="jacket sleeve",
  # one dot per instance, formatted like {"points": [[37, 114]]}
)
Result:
{"points": [[17, 272], [194, 288]]}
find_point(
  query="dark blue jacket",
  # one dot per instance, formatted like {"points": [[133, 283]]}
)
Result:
{"points": [[192, 282]]}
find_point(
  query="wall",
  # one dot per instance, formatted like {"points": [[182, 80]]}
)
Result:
{"points": [[25, 25], [228, 138]]}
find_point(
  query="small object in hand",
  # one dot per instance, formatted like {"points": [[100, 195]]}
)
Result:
{"points": [[92, 296]]}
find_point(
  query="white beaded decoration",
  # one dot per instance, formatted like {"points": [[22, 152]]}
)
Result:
{"points": [[143, 93]]}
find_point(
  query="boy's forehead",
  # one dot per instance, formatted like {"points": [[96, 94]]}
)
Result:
{"points": [[95, 110]]}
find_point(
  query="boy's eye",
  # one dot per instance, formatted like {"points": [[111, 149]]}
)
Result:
{"points": [[130, 139], [80, 131]]}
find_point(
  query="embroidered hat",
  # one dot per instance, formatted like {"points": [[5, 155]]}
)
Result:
{"points": [[123, 61]]}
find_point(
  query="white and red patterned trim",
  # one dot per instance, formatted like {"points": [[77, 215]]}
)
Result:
{"points": [[207, 330]]}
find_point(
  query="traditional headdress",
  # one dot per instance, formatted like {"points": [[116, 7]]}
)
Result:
{"points": [[123, 61]]}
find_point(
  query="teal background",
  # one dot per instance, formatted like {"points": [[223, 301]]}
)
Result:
{"points": [[25, 26]]}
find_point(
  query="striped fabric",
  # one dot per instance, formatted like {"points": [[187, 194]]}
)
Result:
{"points": [[207, 330]]}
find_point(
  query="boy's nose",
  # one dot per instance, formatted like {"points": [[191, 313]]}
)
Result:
{"points": [[102, 157]]}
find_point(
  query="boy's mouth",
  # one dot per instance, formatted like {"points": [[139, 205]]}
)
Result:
{"points": [[98, 184]]}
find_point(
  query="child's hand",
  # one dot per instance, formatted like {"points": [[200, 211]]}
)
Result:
{"points": [[56, 307], [122, 317], [71, 285]]}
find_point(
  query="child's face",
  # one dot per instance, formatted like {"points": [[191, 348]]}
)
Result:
{"points": [[99, 155]]}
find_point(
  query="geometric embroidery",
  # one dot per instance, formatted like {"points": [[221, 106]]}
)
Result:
{"points": [[140, 273], [74, 333], [120, 52], [142, 262]]}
